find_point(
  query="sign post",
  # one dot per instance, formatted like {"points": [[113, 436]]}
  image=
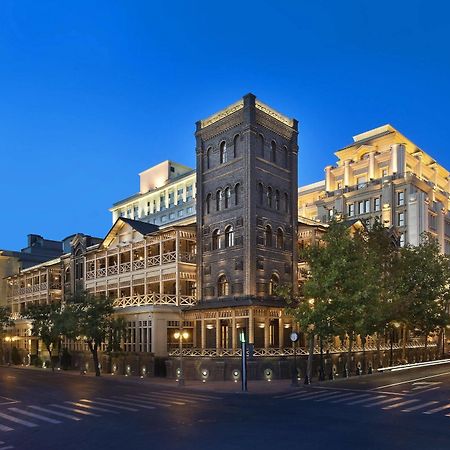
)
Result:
{"points": [[294, 338], [244, 360]]}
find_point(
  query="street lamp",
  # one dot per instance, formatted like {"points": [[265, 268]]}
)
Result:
{"points": [[180, 335], [396, 325], [10, 340]]}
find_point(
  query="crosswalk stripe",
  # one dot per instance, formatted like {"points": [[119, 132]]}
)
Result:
{"points": [[331, 397], [174, 396], [75, 410], [296, 394], [136, 399], [435, 410], [34, 415], [357, 402], [382, 402], [95, 408], [121, 402], [191, 394], [56, 413], [397, 405], [8, 447], [314, 396], [348, 397], [124, 408], [19, 421], [175, 401], [5, 428], [421, 406]]}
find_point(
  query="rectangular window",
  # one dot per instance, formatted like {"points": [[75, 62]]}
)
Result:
{"points": [[384, 173], [148, 208], [367, 206], [432, 221], [351, 209], [136, 212], [162, 202], [189, 210], [180, 213], [401, 219], [171, 199], [180, 195], [189, 191], [400, 198], [402, 240], [361, 182], [377, 204], [339, 185], [163, 219], [171, 216]]}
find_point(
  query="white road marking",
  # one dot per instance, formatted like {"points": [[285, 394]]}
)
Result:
{"points": [[175, 401], [357, 402], [19, 421], [382, 402], [34, 415], [138, 399], [331, 396], [75, 410], [397, 405], [172, 396], [199, 396], [421, 406], [5, 428], [411, 381], [8, 447], [311, 395], [121, 402], [56, 413], [435, 410], [350, 397], [124, 408], [95, 408]]}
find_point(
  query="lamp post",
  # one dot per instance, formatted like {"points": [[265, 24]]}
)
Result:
{"points": [[9, 339], [180, 335]]}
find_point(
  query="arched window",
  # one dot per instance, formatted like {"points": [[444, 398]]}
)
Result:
{"points": [[273, 151], [227, 196], [268, 236], [261, 145], [286, 202], [229, 236], [216, 240], [218, 200], [277, 200], [208, 204], [280, 238], [261, 193], [223, 287], [236, 146], [274, 282], [237, 194], [286, 157], [269, 197], [223, 152], [208, 158]]}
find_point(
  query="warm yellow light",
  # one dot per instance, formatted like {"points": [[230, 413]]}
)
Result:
{"points": [[176, 335], [8, 339], [185, 335]]}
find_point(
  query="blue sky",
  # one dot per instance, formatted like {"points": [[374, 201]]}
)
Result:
{"points": [[91, 93]]}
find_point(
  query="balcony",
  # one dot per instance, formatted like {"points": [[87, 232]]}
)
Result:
{"points": [[154, 299]]}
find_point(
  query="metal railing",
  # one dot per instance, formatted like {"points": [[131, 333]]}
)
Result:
{"points": [[154, 299]]}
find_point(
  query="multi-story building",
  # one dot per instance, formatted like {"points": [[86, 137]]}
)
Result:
{"points": [[166, 194], [204, 250], [385, 175]]}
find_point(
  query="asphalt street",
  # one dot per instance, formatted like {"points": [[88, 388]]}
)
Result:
{"points": [[399, 410]]}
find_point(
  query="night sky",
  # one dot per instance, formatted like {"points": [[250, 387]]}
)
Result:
{"points": [[93, 92]]}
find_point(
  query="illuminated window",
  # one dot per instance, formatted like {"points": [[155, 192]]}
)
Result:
{"points": [[227, 196], [229, 236], [280, 239], [223, 287], [274, 282], [216, 240], [400, 198]]}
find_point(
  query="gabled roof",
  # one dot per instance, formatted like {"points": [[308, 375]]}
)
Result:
{"points": [[143, 228]]}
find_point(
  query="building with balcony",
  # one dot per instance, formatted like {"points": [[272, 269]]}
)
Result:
{"points": [[384, 175]]}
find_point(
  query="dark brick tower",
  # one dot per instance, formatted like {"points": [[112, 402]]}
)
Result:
{"points": [[246, 203]]}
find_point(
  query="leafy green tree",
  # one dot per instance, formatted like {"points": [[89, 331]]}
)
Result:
{"points": [[423, 287], [93, 315], [5, 322], [47, 324]]}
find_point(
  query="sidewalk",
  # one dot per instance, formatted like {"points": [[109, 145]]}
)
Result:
{"points": [[225, 387]]}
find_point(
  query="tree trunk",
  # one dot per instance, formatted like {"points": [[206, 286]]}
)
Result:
{"points": [[310, 359], [348, 365], [94, 350], [363, 367], [49, 349], [321, 368], [426, 346], [404, 342], [441, 344]]}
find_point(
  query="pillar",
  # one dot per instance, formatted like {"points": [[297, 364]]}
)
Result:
{"points": [[233, 331], [266, 331], [203, 333], [251, 327], [218, 334], [371, 166], [346, 172], [328, 186], [280, 332]]}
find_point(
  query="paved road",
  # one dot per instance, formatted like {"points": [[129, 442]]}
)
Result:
{"points": [[401, 410]]}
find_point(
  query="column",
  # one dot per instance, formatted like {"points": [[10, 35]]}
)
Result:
{"points": [[251, 327], [218, 333], [346, 172], [280, 332], [371, 166], [177, 266], [266, 330], [203, 333], [233, 330], [161, 283], [328, 186]]}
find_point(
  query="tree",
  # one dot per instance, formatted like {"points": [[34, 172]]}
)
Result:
{"points": [[423, 287], [47, 324], [93, 315], [116, 332]]}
